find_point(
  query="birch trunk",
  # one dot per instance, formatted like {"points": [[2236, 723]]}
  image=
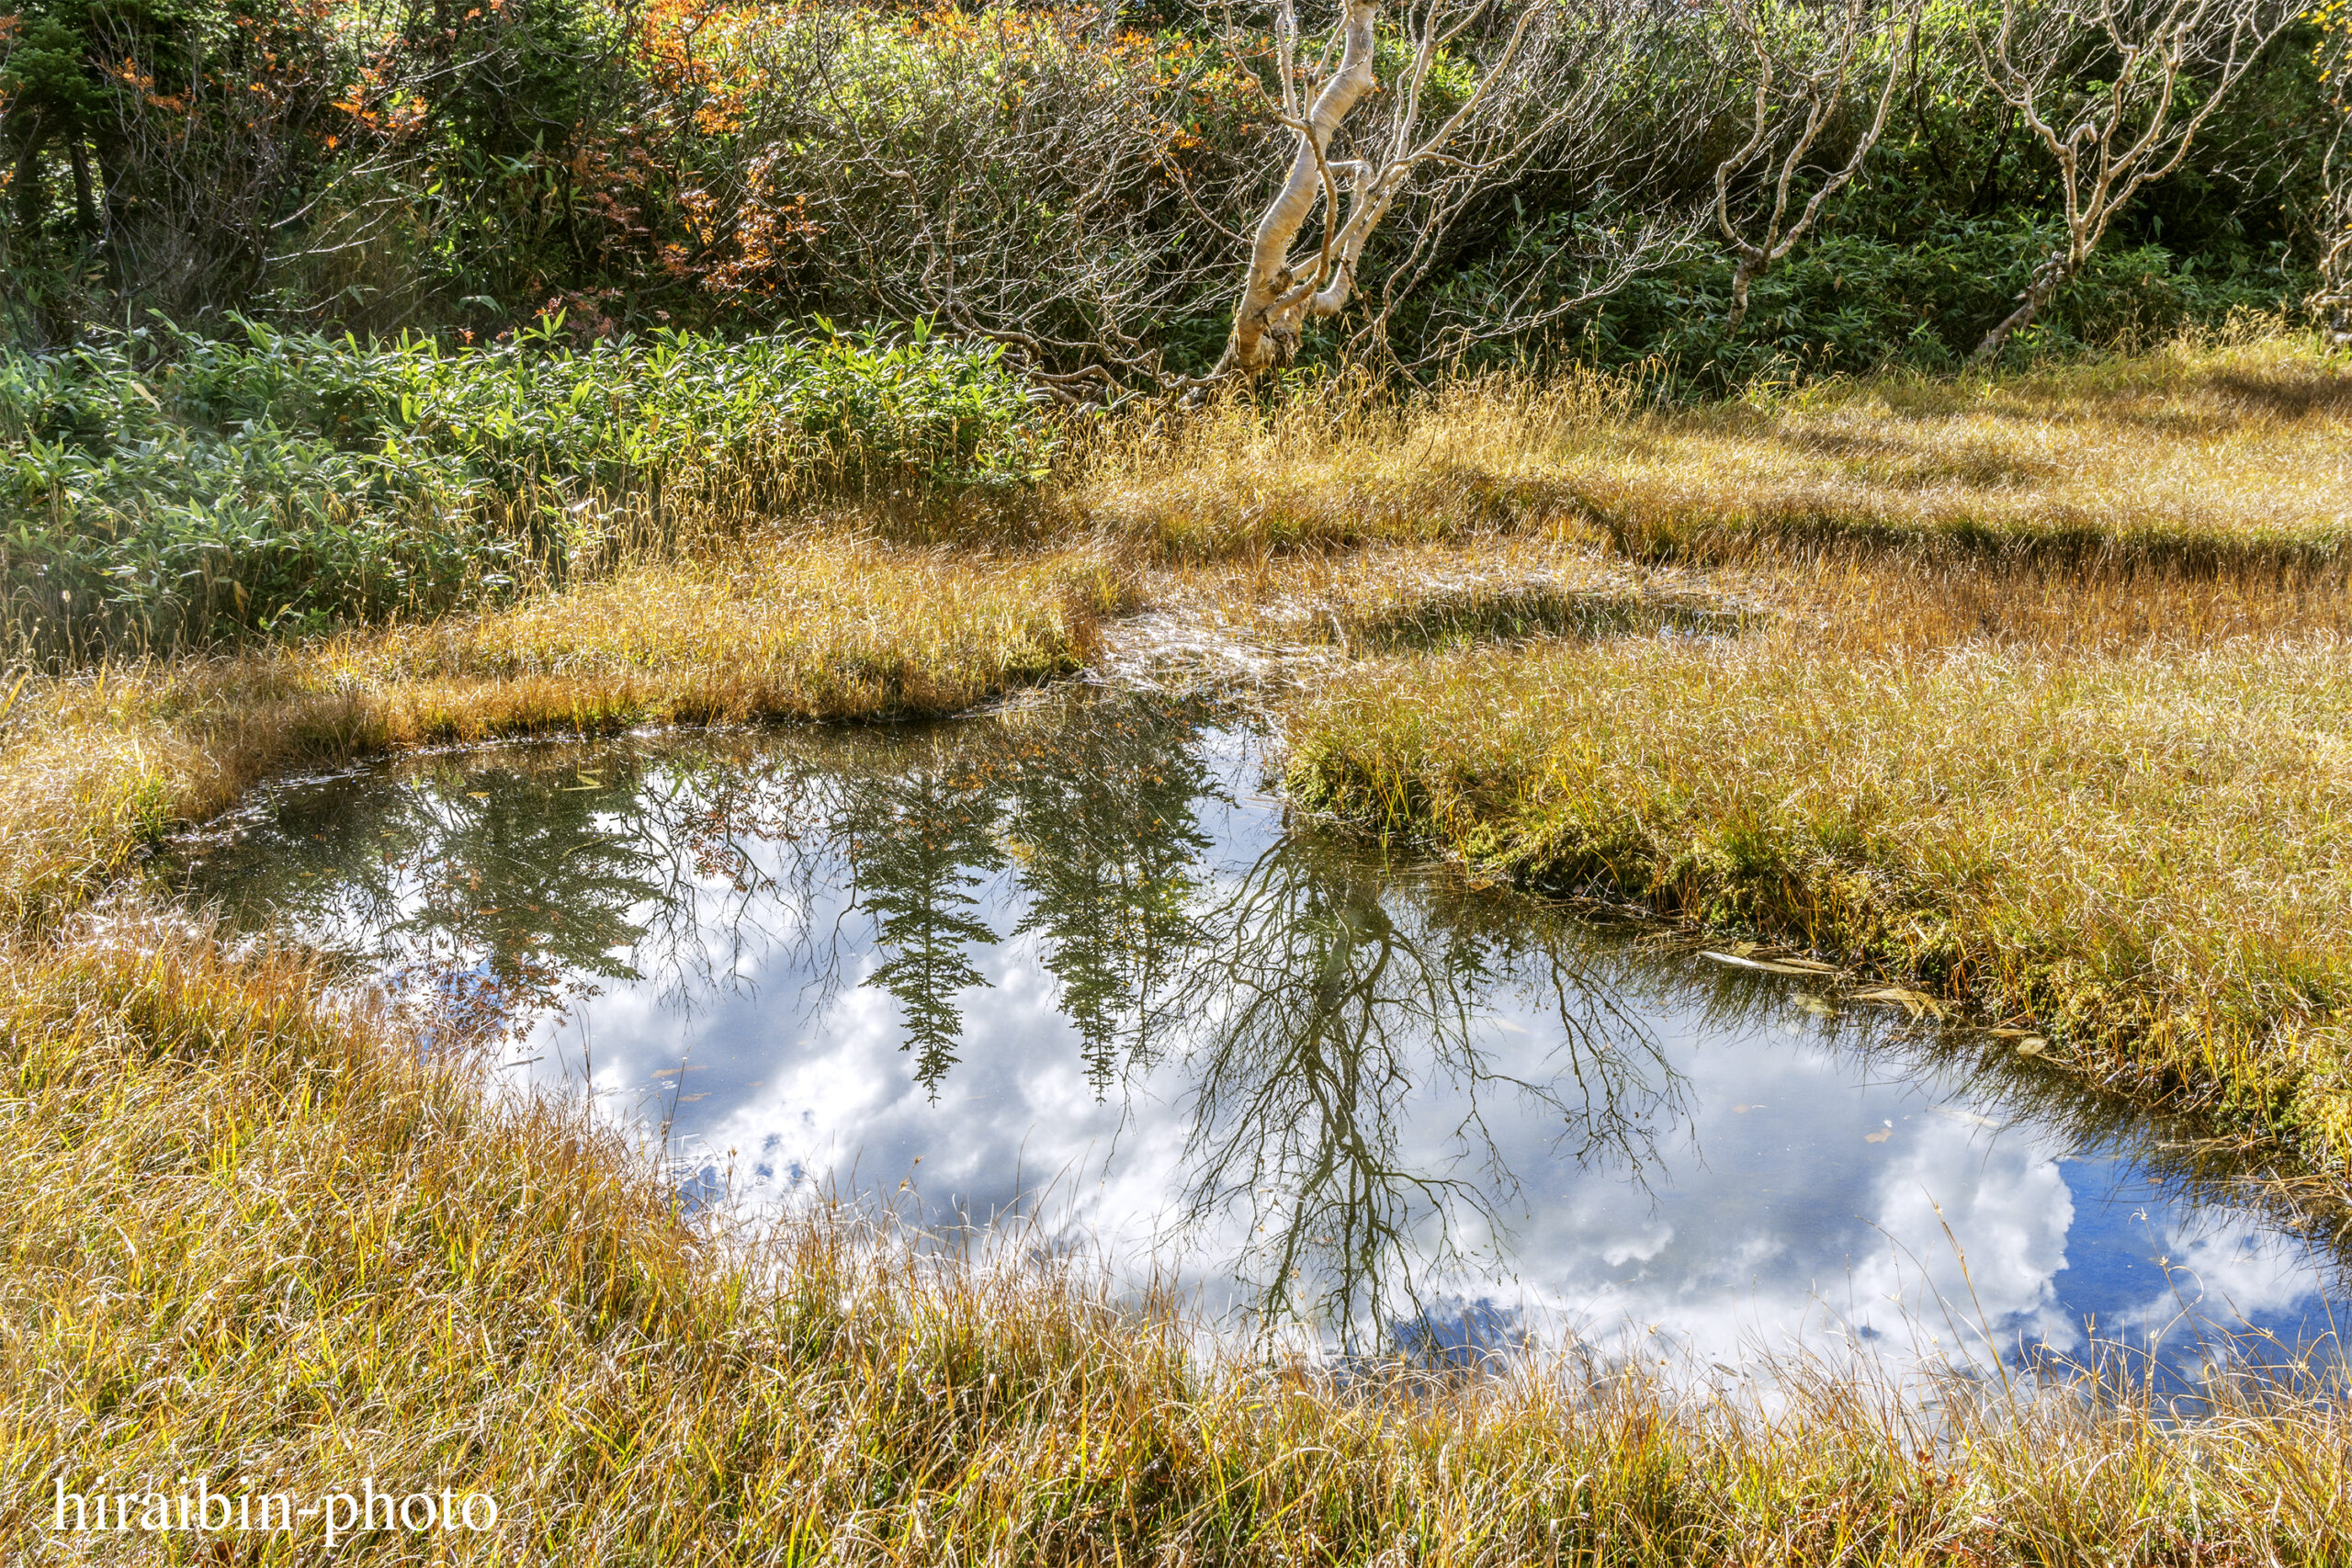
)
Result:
{"points": [[1274, 299], [2046, 283]]}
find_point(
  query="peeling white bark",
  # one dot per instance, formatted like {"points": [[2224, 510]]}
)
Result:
{"points": [[1282, 291], [2102, 160], [1276, 301]]}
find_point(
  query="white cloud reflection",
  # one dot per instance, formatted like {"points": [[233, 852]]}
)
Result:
{"points": [[1792, 1191], [1806, 1198]]}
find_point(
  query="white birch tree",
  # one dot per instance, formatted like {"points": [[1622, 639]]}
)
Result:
{"points": [[1543, 78], [1810, 62], [2116, 91]]}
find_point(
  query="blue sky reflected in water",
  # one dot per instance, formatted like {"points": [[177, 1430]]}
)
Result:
{"points": [[1069, 961]]}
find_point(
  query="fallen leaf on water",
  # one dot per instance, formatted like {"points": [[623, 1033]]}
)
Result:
{"points": [[1879, 1137], [1913, 1002], [1737, 962]]}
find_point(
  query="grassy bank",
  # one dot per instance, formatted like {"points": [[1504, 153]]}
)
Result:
{"points": [[95, 764], [258, 1237], [2033, 691], [2147, 856], [2029, 689], [2211, 458]]}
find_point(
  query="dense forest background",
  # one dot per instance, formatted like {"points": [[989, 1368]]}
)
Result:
{"points": [[1079, 173]]}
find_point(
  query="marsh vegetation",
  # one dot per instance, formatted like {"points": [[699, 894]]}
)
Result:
{"points": [[1862, 492]]}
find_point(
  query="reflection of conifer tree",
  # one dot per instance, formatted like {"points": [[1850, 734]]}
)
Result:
{"points": [[536, 873], [922, 838], [527, 876], [1105, 829]]}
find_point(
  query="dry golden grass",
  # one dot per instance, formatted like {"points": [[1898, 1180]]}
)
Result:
{"points": [[93, 764], [2122, 813], [2231, 455], [256, 1238], [2091, 768]]}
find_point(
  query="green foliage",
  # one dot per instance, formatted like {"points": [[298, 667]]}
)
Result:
{"points": [[1856, 303], [158, 488], [728, 167]]}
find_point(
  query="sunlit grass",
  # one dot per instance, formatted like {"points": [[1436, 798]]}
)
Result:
{"points": [[93, 764], [2223, 456], [2033, 691], [253, 1235], [2122, 816]]}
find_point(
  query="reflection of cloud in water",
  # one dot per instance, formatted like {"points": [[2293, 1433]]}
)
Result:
{"points": [[1100, 974], [1773, 1219]]}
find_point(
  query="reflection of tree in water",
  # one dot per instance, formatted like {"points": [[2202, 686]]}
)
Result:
{"points": [[1318, 1005], [920, 840], [533, 880], [1094, 812], [501, 889], [1307, 1001], [1328, 995], [1104, 834]]}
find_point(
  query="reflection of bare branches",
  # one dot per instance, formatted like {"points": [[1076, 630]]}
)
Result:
{"points": [[1323, 1009], [1344, 1036]]}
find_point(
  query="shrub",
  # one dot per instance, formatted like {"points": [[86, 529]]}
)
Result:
{"points": [[161, 489]]}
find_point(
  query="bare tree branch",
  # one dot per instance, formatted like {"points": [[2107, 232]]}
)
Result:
{"points": [[1830, 43], [2173, 63], [1536, 85]]}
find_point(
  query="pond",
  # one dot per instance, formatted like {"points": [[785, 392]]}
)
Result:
{"points": [[1071, 973]]}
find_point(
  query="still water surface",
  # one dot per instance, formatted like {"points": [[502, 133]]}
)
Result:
{"points": [[1070, 964]]}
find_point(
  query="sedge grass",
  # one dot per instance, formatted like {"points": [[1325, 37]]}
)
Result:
{"points": [[2223, 457], [2055, 807], [96, 762], [258, 1237]]}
